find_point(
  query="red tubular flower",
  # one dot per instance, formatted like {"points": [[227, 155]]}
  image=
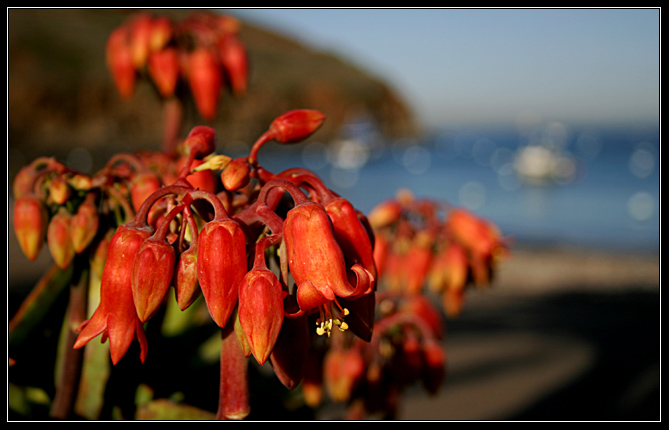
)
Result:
{"points": [[221, 260], [350, 227], [116, 316], [140, 37], [481, 240], [163, 66], [120, 62], [59, 238], [352, 235], [418, 261], [261, 307], [152, 270], [30, 224], [474, 233], [449, 270], [235, 61], [161, 32], [204, 75], [317, 264]]}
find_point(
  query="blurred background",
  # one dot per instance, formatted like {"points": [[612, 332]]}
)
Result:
{"points": [[545, 121]]}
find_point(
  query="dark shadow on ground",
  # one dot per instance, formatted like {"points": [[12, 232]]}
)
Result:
{"points": [[622, 327]]}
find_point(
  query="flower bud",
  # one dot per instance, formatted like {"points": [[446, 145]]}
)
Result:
{"points": [[221, 266], [296, 125], [236, 174], [80, 182], [59, 191], [84, 224], [261, 311], [204, 76], [30, 224], [24, 181], [200, 142], [59, 239], [186, 286], [185, 278], [152, 272]]}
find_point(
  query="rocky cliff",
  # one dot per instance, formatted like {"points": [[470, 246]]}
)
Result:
{"points": [[61, 96]]}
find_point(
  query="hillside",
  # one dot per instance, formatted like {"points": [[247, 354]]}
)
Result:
{"points": [[61, 96]]}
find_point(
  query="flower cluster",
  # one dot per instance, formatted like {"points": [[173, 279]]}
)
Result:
{"points": [[420, 246], [239, 238], [291, 272], [422, 243], [203, 53]]}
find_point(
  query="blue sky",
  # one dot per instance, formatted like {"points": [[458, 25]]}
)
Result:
{"points": [[495, 65]]}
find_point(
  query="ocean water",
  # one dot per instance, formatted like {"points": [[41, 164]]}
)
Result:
{"points": [[602, 190]]}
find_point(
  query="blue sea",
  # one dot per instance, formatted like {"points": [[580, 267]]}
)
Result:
{"points": [[556, 185]]}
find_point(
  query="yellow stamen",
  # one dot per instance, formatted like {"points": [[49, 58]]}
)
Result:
{"points": [[326, 321]]}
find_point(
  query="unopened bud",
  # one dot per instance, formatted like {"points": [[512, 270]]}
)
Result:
{"points": [[236, 174], [84, 224], [296, 125], [30, 224], [59, 191], [59, 238]]}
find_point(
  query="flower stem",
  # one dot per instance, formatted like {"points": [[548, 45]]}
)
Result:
{"points": [[233, 402], [69, 372]]}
